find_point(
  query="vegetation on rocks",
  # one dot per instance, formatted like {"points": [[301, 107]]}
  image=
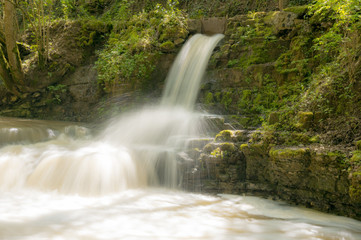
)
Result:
{"points": [[135, 45], [290, 69]]}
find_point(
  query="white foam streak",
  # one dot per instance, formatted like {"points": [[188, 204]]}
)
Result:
{"points": [[184, 78]]}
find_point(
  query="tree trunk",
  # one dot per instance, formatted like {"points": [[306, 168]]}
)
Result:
{"points": [[12, 51]]}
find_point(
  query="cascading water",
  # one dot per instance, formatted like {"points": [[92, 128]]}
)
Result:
{"points": [[136, 150], [109, 180], [184, 78]]}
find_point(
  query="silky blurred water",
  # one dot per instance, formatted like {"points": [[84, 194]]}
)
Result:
{"points": [[59, 181], [162, 214]]}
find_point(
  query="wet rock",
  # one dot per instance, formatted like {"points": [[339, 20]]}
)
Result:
{"points": [[198, 142], [232, 136], [209, 148]]}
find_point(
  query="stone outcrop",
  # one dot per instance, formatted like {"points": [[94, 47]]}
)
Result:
{"points": [[310, 176]]}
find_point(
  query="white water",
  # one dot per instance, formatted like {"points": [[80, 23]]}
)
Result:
{"points": [[184, 78], [162, 214], [59, 182]]}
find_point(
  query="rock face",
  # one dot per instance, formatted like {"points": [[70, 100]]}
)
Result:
{"points": [[213, 25], [282, 21], [310, 176]]}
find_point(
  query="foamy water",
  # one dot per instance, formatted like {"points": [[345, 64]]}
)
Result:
{"points": [[98, 188], [162, 214]]}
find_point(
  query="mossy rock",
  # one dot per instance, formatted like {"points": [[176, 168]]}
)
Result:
{"points": [[228, 147], [299, 10], [355, 187], [232, 136], [217, 153], [224, 136], [273, 118], [300, 138], [358, 145], [289, 153], [356, 158], [305, 120], [167, 46], [355, 193], [315, 139], [255, 148], [208, 148]]}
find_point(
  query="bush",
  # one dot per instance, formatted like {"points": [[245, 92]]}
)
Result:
{"points": [[134, 47]]}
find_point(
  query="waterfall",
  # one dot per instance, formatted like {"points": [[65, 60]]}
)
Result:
{"points": [[184, 79], [136, 150]]}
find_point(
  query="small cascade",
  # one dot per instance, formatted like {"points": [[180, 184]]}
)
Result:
{"points": [[138, 149], [184, 78]]}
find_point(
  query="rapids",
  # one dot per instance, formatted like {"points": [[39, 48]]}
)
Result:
{"points": [[60, 181]]}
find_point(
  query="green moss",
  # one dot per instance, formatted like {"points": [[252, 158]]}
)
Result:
{"points": [[270, 15], [244, 147], [305, 120], [208, 148], [209, 99], [134, 46], [227, 99], [167, 46], [273, 118], [358, 145], [224, 136], [255, 149], [228, 147], [355, 193], [299, 10], [288, 153], [315, 139], [356, 157], [216, 152]]}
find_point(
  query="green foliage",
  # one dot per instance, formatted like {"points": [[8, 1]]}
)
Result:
{"points": [[67, 7], [135, 44], [296, 59], [39, 14], [57, 91], [253, 43], [299, 2], [343, 16], [120, 11]]}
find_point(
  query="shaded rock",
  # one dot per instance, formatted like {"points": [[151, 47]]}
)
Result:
{"points": [[213, 25], [305, 120], [83, 84], [194, 26]]}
